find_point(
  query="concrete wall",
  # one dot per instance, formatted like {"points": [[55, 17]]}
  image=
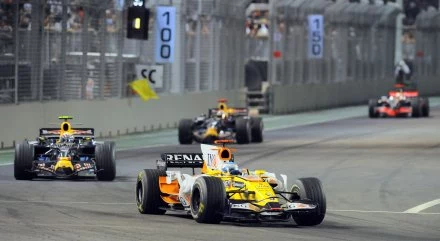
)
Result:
{"points": [[429, 85], [124, 115], [304, 97]]}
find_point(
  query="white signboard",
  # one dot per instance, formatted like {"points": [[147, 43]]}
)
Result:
{"points": [[154, 74], [165, 34], [316, 36]]}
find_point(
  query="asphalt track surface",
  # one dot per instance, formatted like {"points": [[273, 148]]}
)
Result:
{"points": [[372, 171]]}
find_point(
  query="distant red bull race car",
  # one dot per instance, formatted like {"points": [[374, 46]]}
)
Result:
{"points": [[400, 102]]}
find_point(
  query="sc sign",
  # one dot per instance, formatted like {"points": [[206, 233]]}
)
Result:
{"points": [[165, 34], [316, 36], [154, 74]]}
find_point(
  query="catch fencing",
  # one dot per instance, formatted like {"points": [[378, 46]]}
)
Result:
{"points": [[358, 42], [427, 50], [66, 50]]}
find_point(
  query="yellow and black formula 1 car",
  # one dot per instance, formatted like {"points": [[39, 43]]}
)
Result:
{"points": [[222, 123], [223, 192], [65, 152]]}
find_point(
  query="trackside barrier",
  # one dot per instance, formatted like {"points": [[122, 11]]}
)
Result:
{"points": [[109, 117]]}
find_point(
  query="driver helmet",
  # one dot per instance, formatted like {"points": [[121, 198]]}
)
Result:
{"points": [[221, 114], [400, 95], [230, 167]]}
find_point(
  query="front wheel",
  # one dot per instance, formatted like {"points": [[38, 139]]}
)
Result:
{"points": [[24, 157], [185, 131], [425, 107], [208, 200], [416, 106], [105, 158], [310, 188], [372, 113]]}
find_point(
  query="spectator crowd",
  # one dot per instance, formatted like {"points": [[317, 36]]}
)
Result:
{"points": [[53, 15]]}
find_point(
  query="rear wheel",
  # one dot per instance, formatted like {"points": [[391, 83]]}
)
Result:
{"points": [[257, 129], [208, 200], [148, 198], [105, 158], [185, 131], [372, 113], [24, 157], [310, 189], [243, 131]]}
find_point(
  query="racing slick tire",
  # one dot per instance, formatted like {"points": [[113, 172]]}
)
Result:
{"points": [[257, 129], [425, 107], [24, 157], [310, 188], [185, 131], [243, 129], [208, 200], [105, 158], [416, 105], [148, 193], [372, 113]]}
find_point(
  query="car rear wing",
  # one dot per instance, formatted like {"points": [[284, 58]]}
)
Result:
{"points": [[55, 132], [236, 112], [180, 160], [408, 94]]}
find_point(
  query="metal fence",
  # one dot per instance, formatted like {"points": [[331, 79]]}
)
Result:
{"points": [[427, 50], [359, 42], [214, 44], [63, 50]]}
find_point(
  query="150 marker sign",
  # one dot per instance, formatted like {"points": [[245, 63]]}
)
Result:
{"points": [[316, 36], [165, 34]]}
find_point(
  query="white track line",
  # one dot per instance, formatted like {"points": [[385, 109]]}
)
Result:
{"points": [[274, 118], [423, 206], [362, 211], [144, 147], [129, 203], [307, 123], [376, 211], [61, 202], [85, 226], [132, 203]]}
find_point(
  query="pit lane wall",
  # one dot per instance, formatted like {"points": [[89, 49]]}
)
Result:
{"points": [[109, 117]]}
